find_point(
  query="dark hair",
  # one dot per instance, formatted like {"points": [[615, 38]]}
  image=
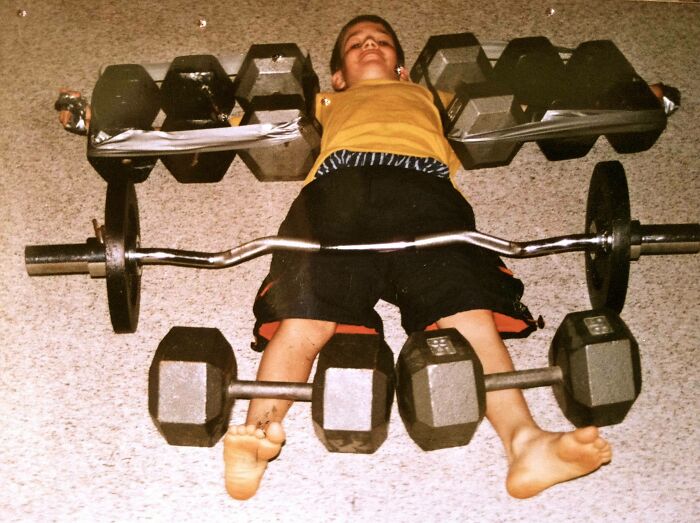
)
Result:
{"points": [[336, 55]]}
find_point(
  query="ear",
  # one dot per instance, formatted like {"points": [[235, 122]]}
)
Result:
{"points": [[338, 81]]}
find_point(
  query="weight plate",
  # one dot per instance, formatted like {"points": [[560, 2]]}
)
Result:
{"points": [[608, 213], [121, 235]]}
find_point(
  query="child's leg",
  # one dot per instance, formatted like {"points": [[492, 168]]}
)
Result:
{"points": [[537, 459], [288, 356]]}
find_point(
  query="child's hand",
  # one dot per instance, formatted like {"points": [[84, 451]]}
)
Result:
{"points": [[73, 111], [670, 96]]}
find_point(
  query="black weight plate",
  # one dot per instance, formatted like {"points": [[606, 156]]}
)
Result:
{"points": [[121, 235], [608, 212]]}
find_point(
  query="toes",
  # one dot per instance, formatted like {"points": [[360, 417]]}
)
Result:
{"points": [[586, 434], [600, 444], [232, 431], [275, 433]]}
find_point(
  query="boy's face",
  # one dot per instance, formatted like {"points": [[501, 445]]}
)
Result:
{"points": [[368, 52]]}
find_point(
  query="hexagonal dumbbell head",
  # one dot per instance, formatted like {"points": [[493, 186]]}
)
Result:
{"points": [[269, 69], [440, 389], [598, 76], [188, 386], [286, 161], [533, 70], [199, 167], [449, 60], [605, 79], [353, 391], [196, 87], [481, 108], [125, 97], [600, 361]]}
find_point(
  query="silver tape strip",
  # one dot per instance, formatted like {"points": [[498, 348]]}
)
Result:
{"points": [[570, 124], [136, 142]]}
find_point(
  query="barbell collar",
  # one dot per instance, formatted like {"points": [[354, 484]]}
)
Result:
{"points": [[677, 238], [523, 379], [73, 258], [240, 389]]}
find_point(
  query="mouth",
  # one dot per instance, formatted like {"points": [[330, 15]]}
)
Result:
{"points": [[370, 53]]}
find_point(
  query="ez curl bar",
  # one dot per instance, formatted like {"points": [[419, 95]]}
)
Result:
{"points": [[610, 241]]}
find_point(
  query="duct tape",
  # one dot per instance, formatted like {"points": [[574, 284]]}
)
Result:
{"points": [[136, 142], [570, 123]]}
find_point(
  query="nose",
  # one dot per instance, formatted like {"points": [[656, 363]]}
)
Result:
{"points": [[369, 43]]}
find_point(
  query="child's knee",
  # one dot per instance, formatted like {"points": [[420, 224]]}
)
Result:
{"points": [[309, 333]]}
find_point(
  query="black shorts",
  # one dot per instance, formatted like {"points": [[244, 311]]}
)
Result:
{"points": [[378, 204]]}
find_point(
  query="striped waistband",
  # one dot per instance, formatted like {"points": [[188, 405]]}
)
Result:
{"points": [[344, 158]]}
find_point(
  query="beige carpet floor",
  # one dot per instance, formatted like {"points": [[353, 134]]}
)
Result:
{"points": [[76, 439]]}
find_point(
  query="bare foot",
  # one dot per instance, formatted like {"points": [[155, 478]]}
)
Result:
{"points": [[247, 450], [542, 459]]}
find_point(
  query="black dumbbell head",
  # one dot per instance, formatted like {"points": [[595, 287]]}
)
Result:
{"points": [[196, 87], [200, 167], [125, 97], [533, 71], [188, 386], [599, 77]]}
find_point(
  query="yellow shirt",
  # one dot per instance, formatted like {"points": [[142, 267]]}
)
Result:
{"points": [[385, 116]]}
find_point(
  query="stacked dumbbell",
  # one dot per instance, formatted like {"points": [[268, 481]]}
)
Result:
{"points": [[530, 93], [274, 84]]}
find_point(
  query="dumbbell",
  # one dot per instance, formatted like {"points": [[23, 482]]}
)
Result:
{"points": [[198, 94], [611, 240], [566, 107], [193, 385], [598, 77], [441, 388], [288, 161], [124, 97], [457, 64], [276, 84], [532, 68]]}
